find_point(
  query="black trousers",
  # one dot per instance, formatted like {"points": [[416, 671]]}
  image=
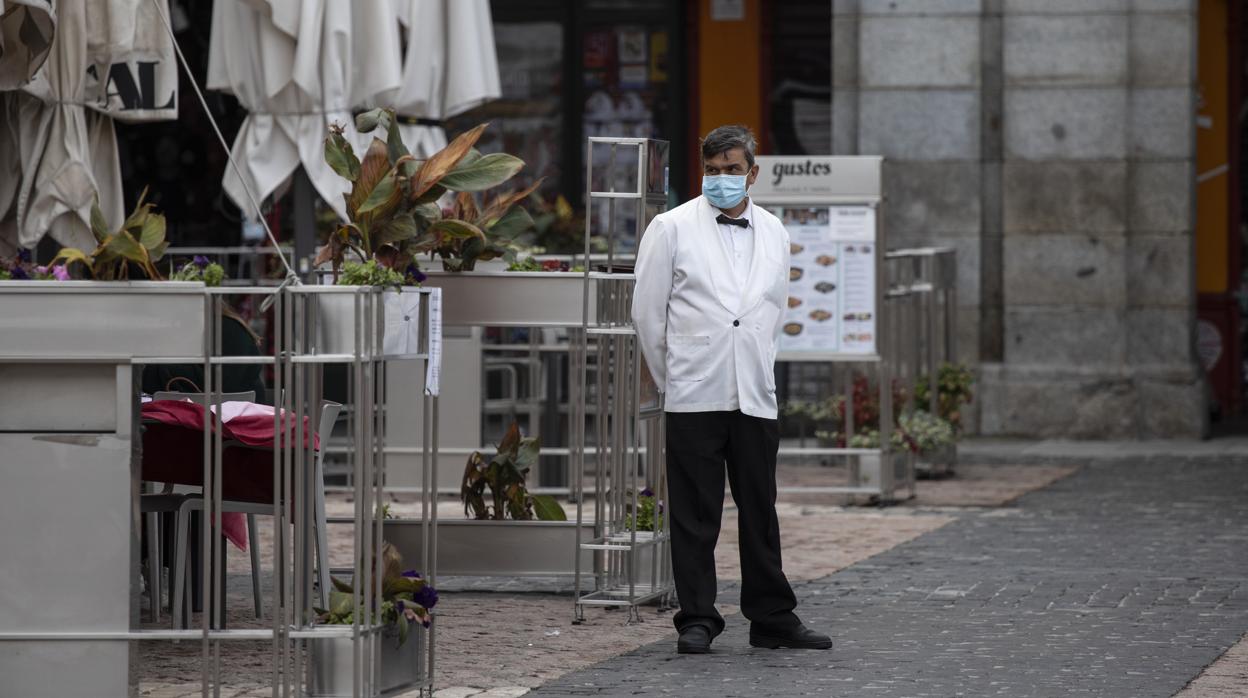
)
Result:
{"points": [[699, 446]]}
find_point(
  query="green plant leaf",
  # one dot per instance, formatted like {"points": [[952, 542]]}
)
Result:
{"points": [[373, 169], [433, 194], [339, 603], [153, 231], [69, 255], [472, 156], [124, 245], [443, 161], [456, 229], [527, 452], [155, 253], [395, 229], [394, 142], [547, 508], [385, 196], [513, 223], [341, 585], [402, 621], [99, 226], [340, 157], [370, 120], [489, 171]]}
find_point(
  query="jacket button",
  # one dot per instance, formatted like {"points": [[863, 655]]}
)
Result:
{"points": [[736, 323]]}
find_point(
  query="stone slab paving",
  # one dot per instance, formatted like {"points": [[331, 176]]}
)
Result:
{"points": [[517, 619], [1125, 579]]}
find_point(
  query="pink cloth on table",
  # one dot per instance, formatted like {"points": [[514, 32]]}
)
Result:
{"points": [[248, 423]]}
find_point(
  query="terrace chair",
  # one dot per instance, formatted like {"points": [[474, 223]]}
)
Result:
{"points": [[155, 504], [187, 504]]}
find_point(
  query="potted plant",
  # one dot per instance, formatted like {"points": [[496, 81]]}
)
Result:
{"points": [[508, 530], [406, 600], [504, 476], [649, 517], [108, 301], [863, 404], [953, 392], [393, 215]]}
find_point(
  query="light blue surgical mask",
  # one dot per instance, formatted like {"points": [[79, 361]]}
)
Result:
{"points": [[723, 191]]}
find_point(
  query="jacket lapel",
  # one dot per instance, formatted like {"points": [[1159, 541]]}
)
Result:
{"points": [[755, 284], [719, 262]]}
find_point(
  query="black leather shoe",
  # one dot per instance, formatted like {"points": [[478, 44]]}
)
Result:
{"points": [[801, 637], [695, 639]]}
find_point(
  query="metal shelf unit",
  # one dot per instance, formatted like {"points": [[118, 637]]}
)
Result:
{"points": [[631, 567]]}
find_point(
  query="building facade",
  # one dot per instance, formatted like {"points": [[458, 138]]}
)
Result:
{"points": [[1051, 142]]}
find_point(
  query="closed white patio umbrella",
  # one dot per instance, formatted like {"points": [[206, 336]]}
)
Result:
{"points": [[298, 67], [450, 66], [26, 30], [60, 154]]}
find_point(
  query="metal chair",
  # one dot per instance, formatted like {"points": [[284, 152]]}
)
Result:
{"points": [[191, 503], [154, 504]]}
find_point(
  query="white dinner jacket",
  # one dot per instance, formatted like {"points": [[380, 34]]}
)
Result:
{"points": [[710, 342]]}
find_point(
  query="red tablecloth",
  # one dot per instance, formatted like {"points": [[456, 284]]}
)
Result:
{"points": [[173, 440]]}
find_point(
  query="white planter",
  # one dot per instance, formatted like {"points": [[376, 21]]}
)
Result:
{"points": [[645, 555], [66, 353], [359, 321], [399, 668], [496, 548], [938, 462], [61, 341], [883, 472], [101, 319], [513, 298]]}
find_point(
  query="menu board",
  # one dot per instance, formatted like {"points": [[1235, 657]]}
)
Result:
{"points": [[832, 294]]}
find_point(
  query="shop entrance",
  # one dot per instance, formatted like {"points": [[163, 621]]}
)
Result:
{"points": [[1222, 290]]}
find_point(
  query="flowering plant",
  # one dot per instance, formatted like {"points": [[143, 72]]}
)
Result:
{"points": [[649, 512], [953, 390], [21, 268], [406, 597], [533, 264], [200, 268], [926, 432]]}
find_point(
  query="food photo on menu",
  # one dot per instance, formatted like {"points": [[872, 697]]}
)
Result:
{"points": [[831, 303]]}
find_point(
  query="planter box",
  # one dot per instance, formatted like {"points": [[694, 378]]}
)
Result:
{"points": [[885, 472], [64, 340], [939, 462], [399, 669], [94, 320], [66, 349], [392, 332], [513, 298], [496, 548], [645, 554]]}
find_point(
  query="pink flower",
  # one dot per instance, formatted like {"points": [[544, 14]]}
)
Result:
{"points": [[60, 273], [41, 269]]}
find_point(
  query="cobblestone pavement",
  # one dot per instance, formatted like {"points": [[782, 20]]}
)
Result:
{"points": [[517, 619], [1126, 579]]}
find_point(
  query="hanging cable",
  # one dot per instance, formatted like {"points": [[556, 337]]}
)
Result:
{"points": [[291, 276]]}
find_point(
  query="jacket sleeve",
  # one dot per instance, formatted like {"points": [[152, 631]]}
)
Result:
{"points": [[650, 296]]}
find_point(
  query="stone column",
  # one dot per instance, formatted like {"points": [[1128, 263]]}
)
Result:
{"points": [[1097, 246]]}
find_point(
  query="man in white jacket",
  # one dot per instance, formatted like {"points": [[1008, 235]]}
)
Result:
{"points": [[712, 277]]}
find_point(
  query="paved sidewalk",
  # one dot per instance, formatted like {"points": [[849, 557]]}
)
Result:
{"points": [[1125, 579]]}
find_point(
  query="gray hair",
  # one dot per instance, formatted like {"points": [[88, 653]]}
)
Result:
{"points": [[725, 138]]}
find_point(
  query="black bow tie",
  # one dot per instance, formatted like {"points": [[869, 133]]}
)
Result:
{"points": [[723, 219]]}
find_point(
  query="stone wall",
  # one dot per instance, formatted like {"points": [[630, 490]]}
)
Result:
{"points": [[1050, 142]]}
